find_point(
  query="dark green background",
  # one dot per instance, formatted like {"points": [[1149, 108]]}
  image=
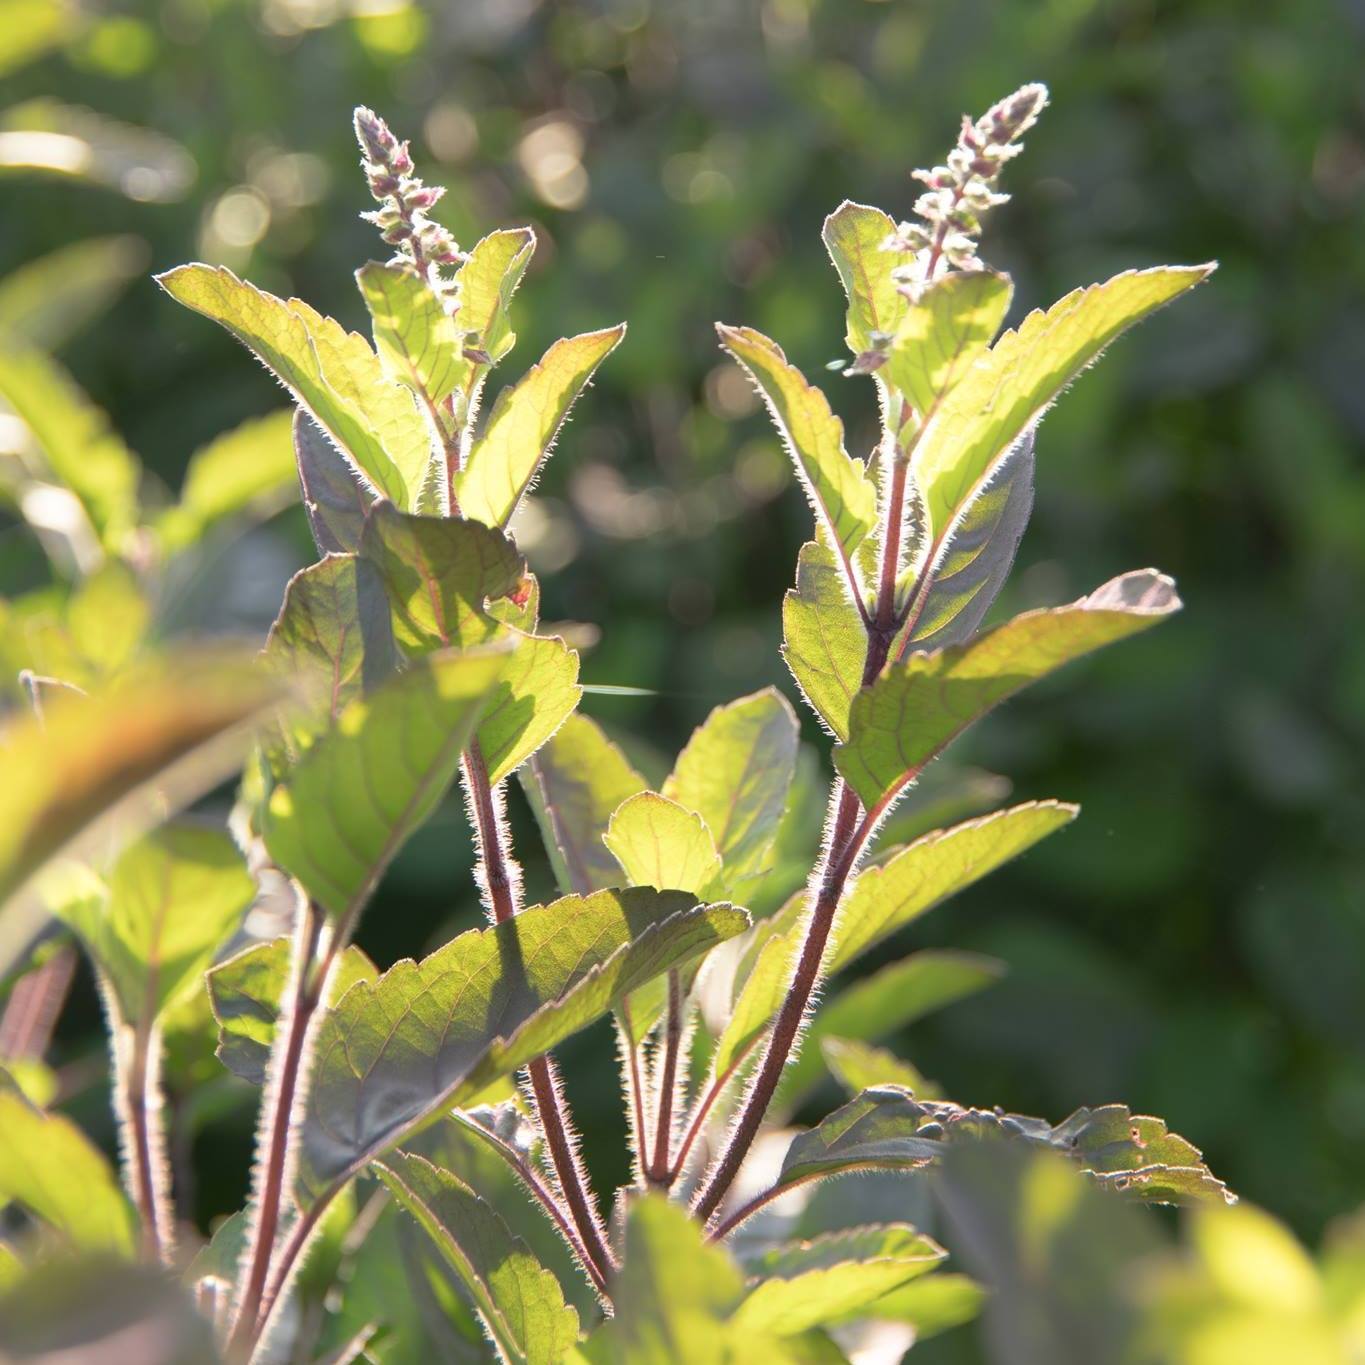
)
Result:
{"points": [[1195, 945]]}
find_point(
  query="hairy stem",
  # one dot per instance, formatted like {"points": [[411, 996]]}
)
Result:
{"points": [[502, 882], [659, 1172], [630, 1071], [308, 983], [138, 1081], [34, 1004]]}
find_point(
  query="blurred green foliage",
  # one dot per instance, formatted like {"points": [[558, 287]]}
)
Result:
{"points": [[1196, 945]]}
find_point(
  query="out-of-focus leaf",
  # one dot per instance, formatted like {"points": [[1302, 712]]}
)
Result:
{"points": [[519, 1301], [930, 1305], [417, 340], [661, 844], [429, 1035], [103, 1310], [735, 773], [859, 1066], [536, 694], [32, 28], [50, 138], [333, 496], [942, 334], [876, 1006], [246, 990], [50, 1167], [401, 746], [841, 493], [824, 641], [118, 761], [809, 1284], [574, 784], [957, 588], [247, 473], [72, 440], [854, 236], [1022, 375], [437, 572], [674, 1294], [332, 373], [920, 704], [173, 898], [48, 300], [505, 461]]}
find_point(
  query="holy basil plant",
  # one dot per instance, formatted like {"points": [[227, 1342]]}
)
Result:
{"points": [[417, 1190]]}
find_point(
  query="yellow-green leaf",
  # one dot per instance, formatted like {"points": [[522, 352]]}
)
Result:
{"points": [[418, 342], [661, 844], [1022, 375], [487, 280], [854, 235], [920, 704], [840, 491], [505, 461], [536, 694]]}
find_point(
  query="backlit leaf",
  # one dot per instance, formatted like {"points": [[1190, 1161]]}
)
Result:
{"points": [[437, 572], [505, 461], [840, 490], [332, 373], [859, 1066], [574, 784], [808, 1284], [660, 844], [173, 898], [1022, 375], [488, 279], [246, 990], [417, 340], [824, 641], [50, 1167], [920, 704], [49, 300], [536, 694], [735, 773], [430, 1035], [518, 1300], [854, 235], [399, 747]]}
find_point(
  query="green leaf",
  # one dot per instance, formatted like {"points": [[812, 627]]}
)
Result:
{"points": [[859, 1066], [417, 340], [574, 783], [824, 641], [808, 1284], [519, 1301], [400, 747], [957, 587], [841, 492], [76, 444], [930, 1305], [874, 1131], [673, 1293], [117, 761], [32, 28], [50, 1167], [661, 844], [1022, 375], [332, 373], [943, 333], [247, 473], [854, 235], [891, 894], [505, 461], [438, 571], [536, 694], [429, 1035], [920, 704], [878, 1005], [735, 773], [333, 496], [487, 280], [108, 616], [49, 300], [245, 993], [174, 897], [333, 633]]}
